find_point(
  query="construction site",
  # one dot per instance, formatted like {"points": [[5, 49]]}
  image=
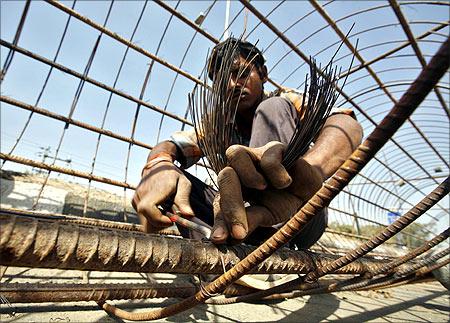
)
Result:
{"points": [[90, 88]]}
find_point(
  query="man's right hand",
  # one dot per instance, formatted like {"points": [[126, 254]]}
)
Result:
{"points": [[160, 183]]}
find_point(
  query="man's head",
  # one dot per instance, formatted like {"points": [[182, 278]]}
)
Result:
{"points": [[248, 72]]}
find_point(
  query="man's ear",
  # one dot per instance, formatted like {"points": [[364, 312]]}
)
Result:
{"points": [[263, 73]]}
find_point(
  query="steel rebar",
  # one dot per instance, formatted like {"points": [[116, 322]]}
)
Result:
{"points": [[387, 233], [47, 243], [48, 292]]}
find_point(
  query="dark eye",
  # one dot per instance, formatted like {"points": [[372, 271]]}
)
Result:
{"points": [[245, 72]]}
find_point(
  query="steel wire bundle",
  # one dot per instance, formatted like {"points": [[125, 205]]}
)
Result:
{"points": [[214, 114]]}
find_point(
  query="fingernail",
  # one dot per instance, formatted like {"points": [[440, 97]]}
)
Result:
{"points": [[262, 186], [218, 233], [238, 231]]}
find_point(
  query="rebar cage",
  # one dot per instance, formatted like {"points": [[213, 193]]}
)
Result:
{"points": [[88, 88]]}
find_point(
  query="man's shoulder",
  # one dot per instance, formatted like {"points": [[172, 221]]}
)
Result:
{"points": [[292, 95], [283, 91]]}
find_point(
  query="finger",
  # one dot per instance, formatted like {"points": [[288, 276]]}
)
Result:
{"points": [[148, 209], [242, 160], [220, 231], [231, 203], [281, 204], [135, 201], [258, 216], [272, 167], [182, 196]]}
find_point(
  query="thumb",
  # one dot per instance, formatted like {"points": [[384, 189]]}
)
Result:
{"points": [[182, 195]]}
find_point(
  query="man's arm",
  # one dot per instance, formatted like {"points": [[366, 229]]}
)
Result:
{"points": [[161, 181], [339, 137]]}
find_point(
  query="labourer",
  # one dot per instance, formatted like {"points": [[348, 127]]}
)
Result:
{"points": [[265, 124]]}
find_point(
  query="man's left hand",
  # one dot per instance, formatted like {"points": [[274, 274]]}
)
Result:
{"points": [[279, 194]]}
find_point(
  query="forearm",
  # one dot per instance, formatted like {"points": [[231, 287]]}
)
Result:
{"points": [[339, 137]]}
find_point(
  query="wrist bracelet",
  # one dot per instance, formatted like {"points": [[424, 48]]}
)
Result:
{"points": [[155, 159]]}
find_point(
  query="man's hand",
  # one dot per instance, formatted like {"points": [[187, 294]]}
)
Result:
{"points": [[160, 183], [280, 195]]}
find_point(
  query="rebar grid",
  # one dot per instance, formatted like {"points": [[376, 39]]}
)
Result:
{"points": [[90, 80], [72, 121], [404, 23], [64, 170], [427, 33], [417, 92], [11, 52], [375, 76], [122, 40]]}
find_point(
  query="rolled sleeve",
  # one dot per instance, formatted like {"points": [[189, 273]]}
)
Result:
{"points": [[346, 111], [186, 141]]}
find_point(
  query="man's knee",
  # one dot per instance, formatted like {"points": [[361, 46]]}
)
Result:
{"points": [[274, 108], [274, 120]]}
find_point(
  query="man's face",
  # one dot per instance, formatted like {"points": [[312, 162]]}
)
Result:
{"points": [[245, 86]]}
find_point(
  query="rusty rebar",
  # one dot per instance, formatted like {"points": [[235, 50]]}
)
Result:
{"points": [[71, 121], [414, 253], [47, 243], [63, 170], [426, 261], [406, 28], [417, 92], [393, 281], [365, 280], [425, 270], [64, 218], [91, 80], [309, 289], [49, 292], [122, 40], [423, 206]]}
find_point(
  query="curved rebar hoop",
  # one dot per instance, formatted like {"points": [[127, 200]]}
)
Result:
{"points": [[417, 92]]}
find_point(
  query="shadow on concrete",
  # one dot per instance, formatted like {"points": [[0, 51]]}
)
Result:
{"points": [[317, 308], [387, 310]]}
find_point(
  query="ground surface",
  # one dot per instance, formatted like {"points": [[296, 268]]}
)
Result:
{"points": [[426, 302]]}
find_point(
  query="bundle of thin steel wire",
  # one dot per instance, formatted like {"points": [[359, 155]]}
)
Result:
{"points": [[212, 110], [318, 100], [214, 113]]}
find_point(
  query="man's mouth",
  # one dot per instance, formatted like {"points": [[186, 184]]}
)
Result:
{"points": [[238, 94]]}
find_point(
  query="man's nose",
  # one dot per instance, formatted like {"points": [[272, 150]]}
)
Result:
{"points": [[234, 82]]}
